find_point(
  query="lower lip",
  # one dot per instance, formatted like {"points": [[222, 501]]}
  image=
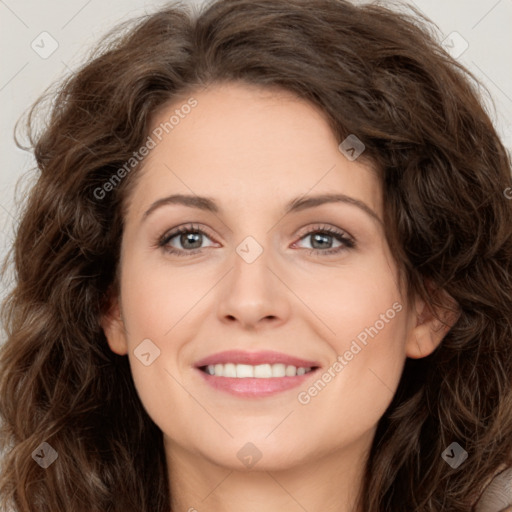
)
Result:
{"points": [[254, 388]]}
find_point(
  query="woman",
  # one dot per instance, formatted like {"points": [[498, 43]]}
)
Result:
{"points": [[337, 335]]}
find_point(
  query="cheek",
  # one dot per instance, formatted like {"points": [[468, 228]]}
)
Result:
{"points": [[352, 394], [162, 397], [157, 303], [156, 297], [368, 327], [349, 299]]}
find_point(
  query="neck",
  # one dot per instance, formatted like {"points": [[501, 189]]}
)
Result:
{"points": [[329, 483]]}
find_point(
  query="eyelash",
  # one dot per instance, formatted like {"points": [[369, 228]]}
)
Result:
{"points": [[348, 243]]}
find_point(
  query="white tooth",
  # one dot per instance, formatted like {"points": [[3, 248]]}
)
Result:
{"points": [[263, 371], [278, 370], [244, 370], [229, 370], [291, 371]]}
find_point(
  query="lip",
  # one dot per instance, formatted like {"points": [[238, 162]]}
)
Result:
{"points": [[250, 387], [255, 388], [255, 358]]}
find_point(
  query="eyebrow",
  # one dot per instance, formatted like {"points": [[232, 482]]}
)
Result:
{"points": [[295, 205]]}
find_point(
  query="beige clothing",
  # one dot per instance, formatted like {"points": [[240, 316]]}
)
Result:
{"points": [[497, 495]]}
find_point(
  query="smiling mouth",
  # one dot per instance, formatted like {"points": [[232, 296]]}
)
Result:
{"points": [[260, 371], [260, 374]]}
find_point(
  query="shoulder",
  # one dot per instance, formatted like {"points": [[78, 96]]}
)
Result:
{"points": [[497, 494]]}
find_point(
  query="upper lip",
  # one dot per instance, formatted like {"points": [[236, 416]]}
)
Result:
{"points": [[254, 359]]}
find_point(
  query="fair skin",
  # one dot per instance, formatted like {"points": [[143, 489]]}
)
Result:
{"points": [[252, 151]]}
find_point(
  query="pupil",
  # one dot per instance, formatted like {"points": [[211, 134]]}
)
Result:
{"points": [[185, 238], [320, 237]]}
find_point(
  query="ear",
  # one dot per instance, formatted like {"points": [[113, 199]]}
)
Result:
{"points": [[113, 326], [432, 324]]}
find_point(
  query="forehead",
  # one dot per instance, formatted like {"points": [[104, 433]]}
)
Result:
{"points": [[247, 145]]}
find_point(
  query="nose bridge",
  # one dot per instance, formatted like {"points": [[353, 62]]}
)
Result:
{"points": [[250, 250], [251, 274], [252, 292]]}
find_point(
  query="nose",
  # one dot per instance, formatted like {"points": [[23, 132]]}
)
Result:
{"points": [[252, 294]]}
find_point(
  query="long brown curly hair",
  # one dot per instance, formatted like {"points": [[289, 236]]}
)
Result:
{"points": [[375, 72]]}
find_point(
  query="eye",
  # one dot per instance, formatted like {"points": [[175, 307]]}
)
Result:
{"points": [[189, 237], [190, 240], [323, 237]]}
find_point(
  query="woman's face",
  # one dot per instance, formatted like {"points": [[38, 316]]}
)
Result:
{"points": [[272, 280]]}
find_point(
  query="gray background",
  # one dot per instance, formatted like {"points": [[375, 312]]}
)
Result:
{"points": [[27, 68]]}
